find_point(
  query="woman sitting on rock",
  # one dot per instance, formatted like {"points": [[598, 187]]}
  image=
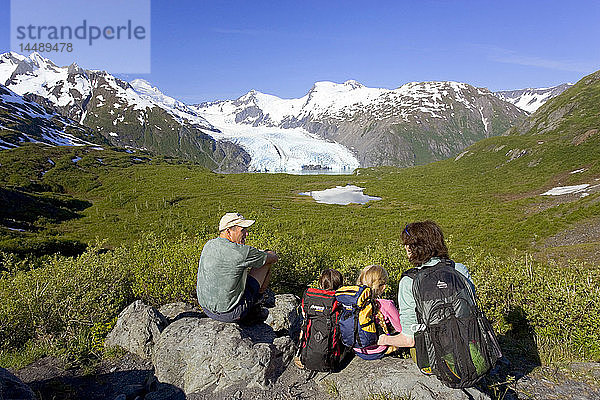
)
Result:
{"points": [[425, 246]]}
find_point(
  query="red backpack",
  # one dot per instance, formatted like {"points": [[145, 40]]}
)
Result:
{"points": [[320, 347]]}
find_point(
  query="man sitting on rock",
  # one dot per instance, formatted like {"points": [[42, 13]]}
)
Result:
{"points": [[232, 277]]}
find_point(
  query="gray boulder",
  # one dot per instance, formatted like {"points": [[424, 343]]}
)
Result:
{"points": [[12, 388], [137, 329], [199, 354], [175, 311], [389, 375], [284, 316], [165, 392]]}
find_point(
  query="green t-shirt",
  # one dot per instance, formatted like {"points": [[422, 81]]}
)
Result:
{"points": [[222, 273]]}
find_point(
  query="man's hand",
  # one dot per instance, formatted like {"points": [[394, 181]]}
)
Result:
{"points": [[272, 257], [382, 341]]}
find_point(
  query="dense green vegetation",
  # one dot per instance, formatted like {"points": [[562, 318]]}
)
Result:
{"points": [[146, 219]]}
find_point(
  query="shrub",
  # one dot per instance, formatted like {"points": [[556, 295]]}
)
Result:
{"points": [[71, 302], [63, 299]]}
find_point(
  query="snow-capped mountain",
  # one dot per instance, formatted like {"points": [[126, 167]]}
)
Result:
{"points": [[139, 117], [23, 121], [334, 126], [413, 124], [531, 99]]}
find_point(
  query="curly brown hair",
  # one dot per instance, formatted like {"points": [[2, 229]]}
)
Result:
{"points": [[424, 240], [331, 279]]}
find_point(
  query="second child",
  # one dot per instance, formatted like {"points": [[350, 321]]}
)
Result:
{"points": [[386, 315]]}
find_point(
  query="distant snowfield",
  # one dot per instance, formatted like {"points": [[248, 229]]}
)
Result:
{"points": [[560, 190], [342, 195], [279, 150]]}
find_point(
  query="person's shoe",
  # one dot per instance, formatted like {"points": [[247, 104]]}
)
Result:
{"points": [[267, 299], [255, 315]]}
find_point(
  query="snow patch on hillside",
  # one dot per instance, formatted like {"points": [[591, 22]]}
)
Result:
{"points": [[531, 99], [176, 108], [560, 190]]}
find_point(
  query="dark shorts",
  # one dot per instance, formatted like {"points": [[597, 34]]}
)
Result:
{"points": [[249, 299]]}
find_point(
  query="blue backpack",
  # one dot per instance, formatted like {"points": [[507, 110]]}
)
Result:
{"points": [[357, 323]]}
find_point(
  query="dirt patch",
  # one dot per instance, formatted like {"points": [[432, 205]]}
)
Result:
{"points": [[563, 255], [580, 242], [579, 139], [584, 232], [548, 202]]}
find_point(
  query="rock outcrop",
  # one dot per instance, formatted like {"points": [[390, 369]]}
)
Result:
{"points": [[199, 353], [138, 328], [175, 311], [285, 315], [212, 359], [12, 388], [400, 377]]}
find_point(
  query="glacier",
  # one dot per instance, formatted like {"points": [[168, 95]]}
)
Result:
{"points": [[274, 149]]}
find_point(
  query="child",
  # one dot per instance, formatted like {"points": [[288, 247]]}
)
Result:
{"points": [[331, 279], [387, 316], [319, 345]]}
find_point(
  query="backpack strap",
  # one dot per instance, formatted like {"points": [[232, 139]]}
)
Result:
{"points": [[411, 273]]}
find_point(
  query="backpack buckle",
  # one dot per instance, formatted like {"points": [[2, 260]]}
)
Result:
{"points": [[414, 328]]}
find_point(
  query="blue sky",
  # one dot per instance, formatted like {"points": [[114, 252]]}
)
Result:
{"points": [[208, 50]]}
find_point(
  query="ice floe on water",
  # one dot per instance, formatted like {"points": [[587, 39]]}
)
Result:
{"points": [[341, 195], [560, 190]]}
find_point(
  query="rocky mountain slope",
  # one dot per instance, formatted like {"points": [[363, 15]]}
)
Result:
{"points": [[571, 115], [334, 126], [552, 158], [531, 99], [414, 124], [22, 120], [143, 119]]}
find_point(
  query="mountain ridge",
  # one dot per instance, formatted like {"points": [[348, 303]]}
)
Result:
{"points": [[337, 126], [416, 123], [114, 109], [530, 99]]}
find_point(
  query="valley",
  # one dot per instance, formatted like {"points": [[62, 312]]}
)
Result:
{"points": [[87, 228]]}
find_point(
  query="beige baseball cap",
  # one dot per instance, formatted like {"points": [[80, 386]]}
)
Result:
{"points": [[232, 219]]}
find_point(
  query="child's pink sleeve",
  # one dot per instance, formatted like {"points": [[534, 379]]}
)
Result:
{"points": [[389, 310]]}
